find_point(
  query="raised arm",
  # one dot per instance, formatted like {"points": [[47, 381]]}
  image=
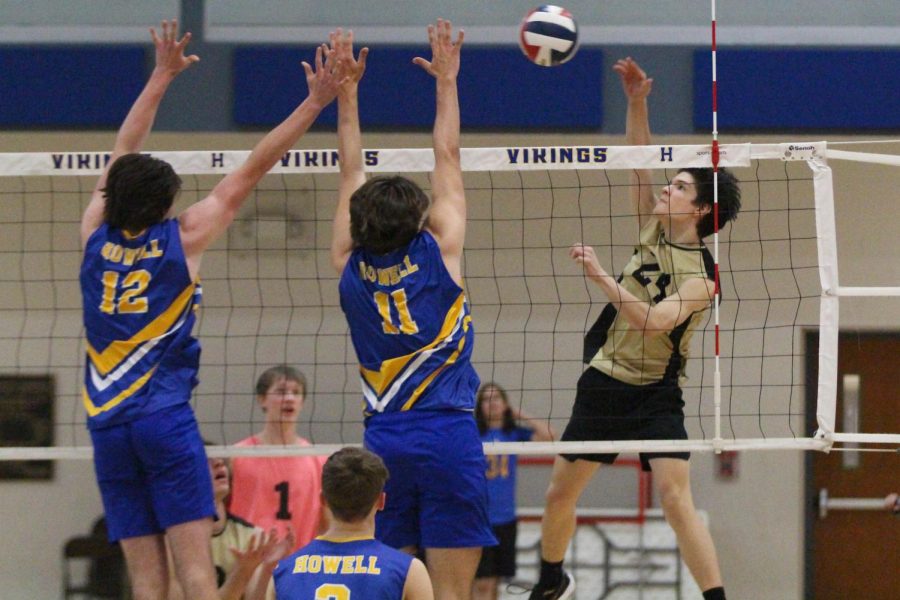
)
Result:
{"points": [[637, 86], [541, 431], [349, 145], [447, 215], [693, 295], [206, 220], [170, 61]]}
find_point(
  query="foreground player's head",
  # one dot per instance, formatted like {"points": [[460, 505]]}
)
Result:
{"points": [[352, 483], [139, 192], [729, 198], [386, 213]]}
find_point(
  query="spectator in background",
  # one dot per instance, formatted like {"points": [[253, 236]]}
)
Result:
{"points": [[498, 421], [279, 492]]}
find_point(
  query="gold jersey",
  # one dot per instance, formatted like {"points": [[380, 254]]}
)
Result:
{"points": [[657, 269]]}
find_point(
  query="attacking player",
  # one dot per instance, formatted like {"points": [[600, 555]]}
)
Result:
{"points": [[347, 561], [637, 352], [140, 288], [399, 254]]}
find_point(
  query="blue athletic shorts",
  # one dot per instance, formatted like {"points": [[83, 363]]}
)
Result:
{"points": [[152, 473], [437, 491]]}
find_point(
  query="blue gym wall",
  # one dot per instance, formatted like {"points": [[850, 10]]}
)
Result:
{"points": [[247, 85]]}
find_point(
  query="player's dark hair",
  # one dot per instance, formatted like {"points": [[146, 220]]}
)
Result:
{"points": [[386, 213], [139, 192], [509, 422], [729, 198], [273, 374], [352, 482]]}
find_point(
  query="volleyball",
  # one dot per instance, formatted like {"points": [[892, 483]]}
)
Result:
{"points": [[548, 35]]}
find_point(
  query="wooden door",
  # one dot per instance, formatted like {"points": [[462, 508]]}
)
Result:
{"points": [[853, 553]]}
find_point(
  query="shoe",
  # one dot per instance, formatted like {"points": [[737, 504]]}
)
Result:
{"points": [[565, 589]]}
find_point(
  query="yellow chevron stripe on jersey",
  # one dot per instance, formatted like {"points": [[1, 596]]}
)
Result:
{"points": [[93, 410], [381, 379], [112, 355], [452, 359]]}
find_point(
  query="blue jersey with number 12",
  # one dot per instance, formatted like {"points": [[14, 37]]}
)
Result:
{"points": [[411, 328], [138, 301]]}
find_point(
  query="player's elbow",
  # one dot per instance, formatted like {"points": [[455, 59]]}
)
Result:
{"points": [[447, 151]]}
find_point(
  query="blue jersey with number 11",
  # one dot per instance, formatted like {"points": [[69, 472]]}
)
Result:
{"points": [[411, 329], [138, 301]]}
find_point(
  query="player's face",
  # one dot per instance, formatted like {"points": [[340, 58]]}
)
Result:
{"points": [[283, 401], [218, 470], [676, 200], [493, 405]]}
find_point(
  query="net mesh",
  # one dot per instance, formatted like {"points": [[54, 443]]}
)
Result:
{"points": [[270, 296]]}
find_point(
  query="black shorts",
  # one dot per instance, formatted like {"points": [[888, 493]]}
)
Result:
{"points": [[500, 560], [607, 409]]}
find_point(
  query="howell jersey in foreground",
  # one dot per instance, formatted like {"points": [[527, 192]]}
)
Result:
{"points": [[411, 329], [138, 304], [345, 569]]}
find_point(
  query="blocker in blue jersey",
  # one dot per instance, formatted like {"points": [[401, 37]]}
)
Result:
{"points": [[398, 253], [140, 289]]}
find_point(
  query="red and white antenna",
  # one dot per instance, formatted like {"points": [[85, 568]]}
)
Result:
{"points": [[717, 377]]}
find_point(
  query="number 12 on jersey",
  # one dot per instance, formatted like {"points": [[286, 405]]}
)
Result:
{"points": [[384, 301]]}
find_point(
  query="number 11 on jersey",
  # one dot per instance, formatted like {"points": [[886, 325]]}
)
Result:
{"points": [[383, 301]]}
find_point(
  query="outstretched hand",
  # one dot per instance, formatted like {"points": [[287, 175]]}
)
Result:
{"points": [[170, 50], [587, 258], [326, 79], [444, 62], [279, 548], [342, 46], [260, 546], [635, 82]]}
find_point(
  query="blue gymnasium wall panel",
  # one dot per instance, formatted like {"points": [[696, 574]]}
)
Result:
{"points": [[837, 90], [69, 86], [498, 88]]}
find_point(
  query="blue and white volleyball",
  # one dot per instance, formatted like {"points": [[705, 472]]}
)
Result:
{"points": [[548, 35]]}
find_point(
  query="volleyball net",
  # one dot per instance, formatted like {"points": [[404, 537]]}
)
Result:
{"points": [[270, 295]]}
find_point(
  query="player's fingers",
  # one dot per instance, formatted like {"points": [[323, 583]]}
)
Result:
{"points": [[153, 35], [184, 41], [307, 69], [318, 59], [460, 36], [363, 54]]}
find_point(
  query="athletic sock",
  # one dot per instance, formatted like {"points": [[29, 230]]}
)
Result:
{"points": [[551, 574], [716, 593]]}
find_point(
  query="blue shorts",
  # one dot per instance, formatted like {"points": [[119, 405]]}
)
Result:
{"points": [[152, 473], [437, 491]]}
